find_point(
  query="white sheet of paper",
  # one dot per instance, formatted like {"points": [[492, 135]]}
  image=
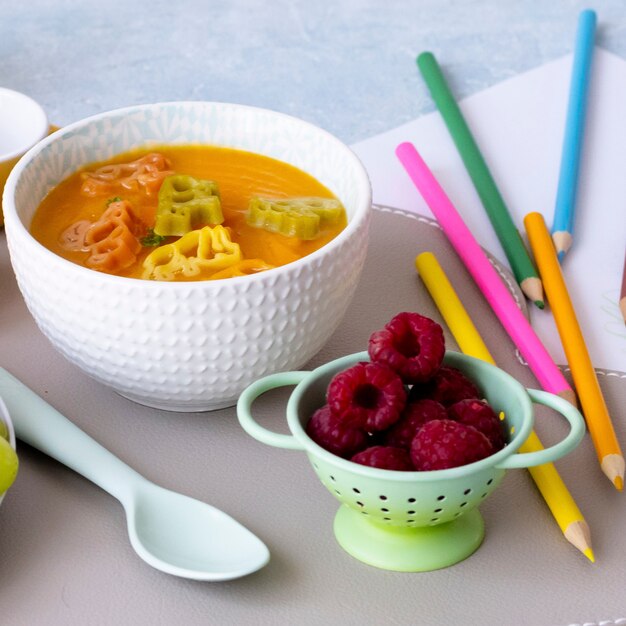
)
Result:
{"points": [[519, 126]]}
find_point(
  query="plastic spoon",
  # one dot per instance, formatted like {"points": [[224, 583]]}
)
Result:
{"points": [[172, 532]]}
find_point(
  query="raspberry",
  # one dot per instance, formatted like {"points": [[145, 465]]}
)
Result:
{"points": [[441, 444], [482, 417], [417, 413], [334, 435], [367, 396], [449, 385], [385, 457], [410, 344]]}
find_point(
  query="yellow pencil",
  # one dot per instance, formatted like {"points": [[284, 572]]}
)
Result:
{"points": [[584, 375], [562, 506]]}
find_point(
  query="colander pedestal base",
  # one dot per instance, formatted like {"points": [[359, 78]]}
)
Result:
{"points": [[405, 549]]}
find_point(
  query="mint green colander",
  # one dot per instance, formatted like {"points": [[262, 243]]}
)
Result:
{"points": [[411, 521]]}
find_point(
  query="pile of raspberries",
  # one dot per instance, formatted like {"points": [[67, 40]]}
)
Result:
{"points": [[404, 410]]}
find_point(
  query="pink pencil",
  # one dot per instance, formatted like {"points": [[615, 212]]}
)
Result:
{"points": [[486, 277]]}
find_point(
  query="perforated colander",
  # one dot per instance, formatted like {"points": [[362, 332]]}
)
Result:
{"points": [[411, 521]]}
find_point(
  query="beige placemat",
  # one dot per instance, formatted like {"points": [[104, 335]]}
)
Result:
{"points": [[65, 557]]}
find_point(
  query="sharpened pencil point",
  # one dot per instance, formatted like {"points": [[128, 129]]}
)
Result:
{"points": [[560, 256], [562, 243], [533, 290], [540, 304], [613, 466], [577, 533]]}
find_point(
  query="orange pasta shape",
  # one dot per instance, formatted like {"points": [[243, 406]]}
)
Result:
{"points": [[112, 240], [146, 173]]}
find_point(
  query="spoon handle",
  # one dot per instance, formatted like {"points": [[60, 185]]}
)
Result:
{"points": [[43, 427]]}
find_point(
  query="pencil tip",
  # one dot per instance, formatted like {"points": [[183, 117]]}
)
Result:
{"points": [[577, 533], [613, 466], [540, 305], [562, 243], [533, 289]]}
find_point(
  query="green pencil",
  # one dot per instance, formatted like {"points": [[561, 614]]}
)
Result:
{"points": [[519, 259]]}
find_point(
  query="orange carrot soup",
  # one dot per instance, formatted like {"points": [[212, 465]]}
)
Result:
{"points": [[179, 213]]}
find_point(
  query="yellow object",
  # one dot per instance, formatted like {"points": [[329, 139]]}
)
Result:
{"points": [[8, 465], [5, 170], [554, 491], [206, 249], [584, 375]]}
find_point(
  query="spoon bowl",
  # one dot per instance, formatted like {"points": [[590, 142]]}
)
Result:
{"points": [[170, 531], [189, 538]]}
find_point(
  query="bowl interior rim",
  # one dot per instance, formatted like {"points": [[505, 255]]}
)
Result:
{"points": [[14, 221]]}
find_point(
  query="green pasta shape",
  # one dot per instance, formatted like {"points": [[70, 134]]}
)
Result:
{"points": [[294, 217], [186, 203]]}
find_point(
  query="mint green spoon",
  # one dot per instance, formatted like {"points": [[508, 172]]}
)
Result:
{"points": [[172, 532]]}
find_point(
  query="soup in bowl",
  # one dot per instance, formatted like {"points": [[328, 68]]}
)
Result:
{"points": [[192, 336]]}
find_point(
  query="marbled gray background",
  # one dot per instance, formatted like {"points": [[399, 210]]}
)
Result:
{"points": [[346, 66]]}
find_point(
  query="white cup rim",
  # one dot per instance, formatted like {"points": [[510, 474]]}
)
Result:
{"points": [[15, 101]]}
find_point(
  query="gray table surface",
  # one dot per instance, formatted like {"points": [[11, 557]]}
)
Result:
{"points": [[348, 67]]}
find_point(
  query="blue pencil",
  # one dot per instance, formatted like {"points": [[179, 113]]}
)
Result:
{"points": [[573, 139]]}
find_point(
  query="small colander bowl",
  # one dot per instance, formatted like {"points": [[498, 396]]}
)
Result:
{"points": [[411, 521]]}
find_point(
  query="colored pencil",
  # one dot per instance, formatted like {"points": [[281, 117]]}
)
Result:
{"points": [[622, 293], [574, 131], [551, 486], [484, 274], [519, 259], [585, 379]]}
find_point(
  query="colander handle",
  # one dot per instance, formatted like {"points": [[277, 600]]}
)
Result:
{"points": [[251, 393], [547, 455]]}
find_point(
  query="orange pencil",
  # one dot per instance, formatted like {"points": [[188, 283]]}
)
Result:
{"points": [[585, 379]]}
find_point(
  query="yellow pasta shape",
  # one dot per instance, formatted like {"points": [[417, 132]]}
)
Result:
{"points": [[208, 249]]}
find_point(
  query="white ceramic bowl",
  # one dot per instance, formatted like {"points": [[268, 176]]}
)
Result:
{"points": [[188, 346], [6, 418]]}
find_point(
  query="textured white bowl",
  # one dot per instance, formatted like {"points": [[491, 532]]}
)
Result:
{"points": [[189, 346]]}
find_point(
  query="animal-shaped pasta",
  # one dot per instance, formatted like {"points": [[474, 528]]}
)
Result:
{"points": [[111, 241], [177, 189], [294, 217], [205, 250], [146, 173], [186, 203]]}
